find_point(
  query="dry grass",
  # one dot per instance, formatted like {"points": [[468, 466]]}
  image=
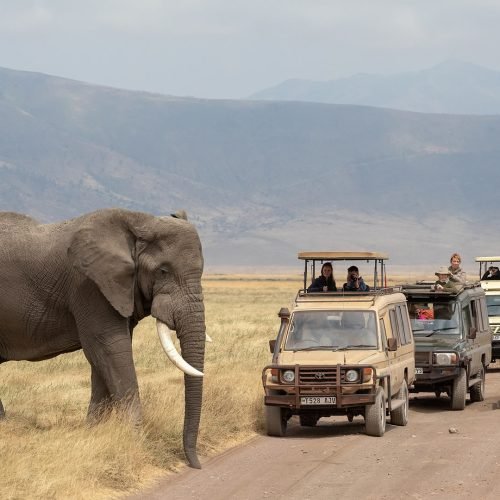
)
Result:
{"points": [[46, 449]]}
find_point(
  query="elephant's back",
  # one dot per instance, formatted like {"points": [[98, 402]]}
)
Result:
{"points": [[12, 221]]}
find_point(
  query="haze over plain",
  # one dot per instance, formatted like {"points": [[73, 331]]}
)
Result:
{"points": [[261, 180]]}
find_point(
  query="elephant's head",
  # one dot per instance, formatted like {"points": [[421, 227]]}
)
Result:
{"points": [[152, 265]]}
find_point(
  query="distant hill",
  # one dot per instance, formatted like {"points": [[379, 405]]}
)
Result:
{"points": [[261, 180], [451, 87]]}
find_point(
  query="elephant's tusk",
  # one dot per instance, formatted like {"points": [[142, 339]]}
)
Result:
{"points": [[165, 335], [208, 338]]}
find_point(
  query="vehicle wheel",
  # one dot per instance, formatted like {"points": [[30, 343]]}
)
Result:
{"points": [[275, 421], [477, 390], [400, 415], [459, 391], [308, 420], [375, 418]]}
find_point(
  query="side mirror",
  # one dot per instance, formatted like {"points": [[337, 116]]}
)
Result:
{"points": [[284, 313], [272, 345], [392, 344], [472, 332]]}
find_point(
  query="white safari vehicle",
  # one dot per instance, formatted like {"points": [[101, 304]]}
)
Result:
{"points": [[491, 288], [341, 353]]}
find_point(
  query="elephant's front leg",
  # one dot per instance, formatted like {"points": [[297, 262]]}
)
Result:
{"points": [[105, 338], [114, 381], [100, 399]]}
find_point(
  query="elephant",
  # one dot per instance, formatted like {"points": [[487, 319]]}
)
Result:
{"points": [[85, 283]]}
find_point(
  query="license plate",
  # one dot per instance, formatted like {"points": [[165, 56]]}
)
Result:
{"points": [[496, 337], [419, 371], [318, 400]]}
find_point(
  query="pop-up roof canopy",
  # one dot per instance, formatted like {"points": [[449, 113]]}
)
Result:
{"points": [[343, 256], [314, 257]]}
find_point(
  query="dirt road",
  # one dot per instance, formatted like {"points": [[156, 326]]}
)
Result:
{"points": [[439, 454]]}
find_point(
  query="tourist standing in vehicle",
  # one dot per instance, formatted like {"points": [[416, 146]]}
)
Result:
{"points": [[493, 273], [444, 282], [324, 282], [457, 275], [355, 282]]}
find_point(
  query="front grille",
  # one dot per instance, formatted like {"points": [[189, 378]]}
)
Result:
{"points": [[316, 376], [422, 358]]}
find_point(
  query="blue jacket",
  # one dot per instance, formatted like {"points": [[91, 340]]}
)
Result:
{"points": [[351, 287]]}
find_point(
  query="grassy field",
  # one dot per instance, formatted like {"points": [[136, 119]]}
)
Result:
{"points": [[46, 449]]}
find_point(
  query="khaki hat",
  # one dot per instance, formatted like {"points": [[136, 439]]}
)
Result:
{"points": [[442, 270]]}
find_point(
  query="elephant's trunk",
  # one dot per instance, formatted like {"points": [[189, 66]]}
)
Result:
{"points": [[193, 351]]}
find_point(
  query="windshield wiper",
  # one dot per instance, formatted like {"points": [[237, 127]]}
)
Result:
{"points": [[319, 348], [356, 346]]}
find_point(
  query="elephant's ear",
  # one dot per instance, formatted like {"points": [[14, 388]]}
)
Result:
{"points": [[103, 253]]}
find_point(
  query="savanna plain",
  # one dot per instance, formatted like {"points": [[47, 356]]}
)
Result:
{"points": [[48, 451]]}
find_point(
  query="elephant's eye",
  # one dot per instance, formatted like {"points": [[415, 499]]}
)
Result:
{"points": [[163, 270]]}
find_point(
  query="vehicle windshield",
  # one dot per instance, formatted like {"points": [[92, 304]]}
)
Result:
{"points": [[332, 330], [493, 303], [438, 319]]}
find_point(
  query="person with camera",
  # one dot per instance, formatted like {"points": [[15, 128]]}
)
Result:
{"points": [[355, 282]]}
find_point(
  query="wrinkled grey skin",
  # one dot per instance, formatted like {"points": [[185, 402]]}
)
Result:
{"points": [[85, 283]]}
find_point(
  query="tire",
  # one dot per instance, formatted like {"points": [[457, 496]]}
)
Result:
{"points": [[459, 391], [275, 421], [400, 415], [375, 418], [477, 390], [308, 420]]}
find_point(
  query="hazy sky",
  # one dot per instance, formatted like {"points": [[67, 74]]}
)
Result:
{"points": [[233, 48]]}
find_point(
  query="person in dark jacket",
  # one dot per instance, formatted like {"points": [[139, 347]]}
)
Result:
{"points": [[493, 273], [324, 282], [355, 282]]}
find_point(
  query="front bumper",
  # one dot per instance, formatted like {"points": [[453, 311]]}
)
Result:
{"points": [[348, 395]]}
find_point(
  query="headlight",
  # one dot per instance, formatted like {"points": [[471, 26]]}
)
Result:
{"points": [[288, 376], [445, 358], [351, 375]]}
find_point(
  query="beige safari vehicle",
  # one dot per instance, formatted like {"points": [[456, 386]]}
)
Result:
{"points": [[491, 288], [341, 353]]}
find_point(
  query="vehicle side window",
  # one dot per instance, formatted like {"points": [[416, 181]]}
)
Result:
{"points": [[473, 308], [405, 329], [481, 315], [383, 334], [484, 314], [394, 326], [466, 319]]}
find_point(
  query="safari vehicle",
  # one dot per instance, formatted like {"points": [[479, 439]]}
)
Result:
{"points": [[492, 289], [452, 341], [341, 353]]}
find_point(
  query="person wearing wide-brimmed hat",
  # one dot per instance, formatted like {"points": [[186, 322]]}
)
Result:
{"points": [[444, 283]]}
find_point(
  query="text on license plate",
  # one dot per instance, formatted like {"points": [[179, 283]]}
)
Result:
{"points": [[419, 371], [496, 337], [318, 400]]}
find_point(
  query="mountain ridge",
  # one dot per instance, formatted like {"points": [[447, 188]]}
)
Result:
{"points": [[261, 180]]}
